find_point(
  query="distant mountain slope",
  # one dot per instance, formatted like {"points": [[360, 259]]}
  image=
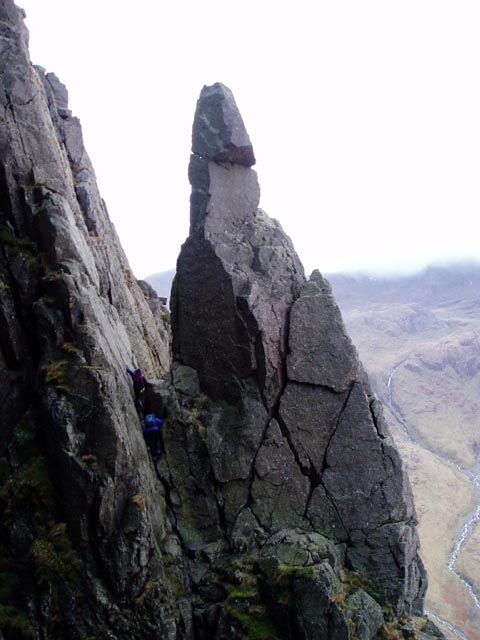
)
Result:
{"points": [[452, 284], [419, 339]]}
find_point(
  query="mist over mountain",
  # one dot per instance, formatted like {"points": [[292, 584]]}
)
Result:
{"points": [[448, 283], [162, 282], [433, 283]]}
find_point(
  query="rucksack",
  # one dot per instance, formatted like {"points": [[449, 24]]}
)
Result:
{"points": [[150, 421]]}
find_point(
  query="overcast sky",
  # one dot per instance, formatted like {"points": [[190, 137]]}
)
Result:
{"points": [[364, 117]]}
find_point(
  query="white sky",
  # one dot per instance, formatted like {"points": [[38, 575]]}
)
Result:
{"points": [[364, 117]]}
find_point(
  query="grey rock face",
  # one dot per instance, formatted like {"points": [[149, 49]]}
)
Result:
{"points": [[366, 615], [72, 316], [359, 493], [279, 490], [323, 604], [321, 352]]}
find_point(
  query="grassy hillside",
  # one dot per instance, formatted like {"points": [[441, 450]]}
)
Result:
{"points": [[419, 339]]}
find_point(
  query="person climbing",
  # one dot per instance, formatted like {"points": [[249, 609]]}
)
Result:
{"points": [[139, 385], [151, 433]]}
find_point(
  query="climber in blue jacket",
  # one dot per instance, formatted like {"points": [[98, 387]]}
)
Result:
{"points": [[151, 433]]}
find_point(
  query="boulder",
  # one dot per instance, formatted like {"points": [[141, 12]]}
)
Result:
{"points": [[219, 133], [365, 614]]}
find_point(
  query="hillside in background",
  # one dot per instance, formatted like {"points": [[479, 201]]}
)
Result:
{"points": [[419, 339]]}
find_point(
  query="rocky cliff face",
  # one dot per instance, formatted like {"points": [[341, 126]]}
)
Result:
{"points": [[74, 540], [278, 507]]}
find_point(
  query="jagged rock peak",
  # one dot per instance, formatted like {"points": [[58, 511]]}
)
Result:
{"points": [[243, 253], [218, 130], [295, 437], [321, 352]]}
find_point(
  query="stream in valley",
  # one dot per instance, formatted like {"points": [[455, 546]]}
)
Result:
{"points": [[472, 519]]}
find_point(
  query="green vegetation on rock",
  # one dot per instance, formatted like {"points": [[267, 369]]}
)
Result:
{"points": [[56, 374], [42, 559]]}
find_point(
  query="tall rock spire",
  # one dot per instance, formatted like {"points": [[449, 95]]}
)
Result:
{"points": [[238, 272], [298, 439]]}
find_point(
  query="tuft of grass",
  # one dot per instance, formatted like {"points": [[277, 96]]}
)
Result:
{"points": [[339, 599], [248, 592], [141, 501], [352, 581], [54, 558], [390, 631], [243, 605], [16, 245], [30, 488], [28, 496], [148, 591], [165, 316], [25, 435], [194, 420], [20, 247], [128, 275], [253, 627], [55, 373], [70, 348], [91, 460], [202, 403]]}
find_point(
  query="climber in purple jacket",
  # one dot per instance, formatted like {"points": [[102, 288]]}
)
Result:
{"points": [[139, 385]]}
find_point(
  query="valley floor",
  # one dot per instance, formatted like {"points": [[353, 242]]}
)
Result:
{"points": [[420, 344]]}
